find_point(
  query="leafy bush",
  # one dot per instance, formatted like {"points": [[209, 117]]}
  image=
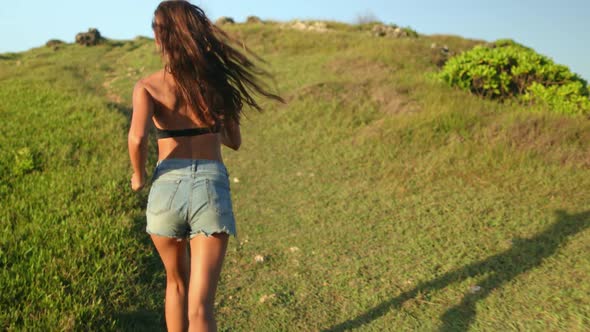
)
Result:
{"points": [[54, 42], [506, 69], [24, 162]]}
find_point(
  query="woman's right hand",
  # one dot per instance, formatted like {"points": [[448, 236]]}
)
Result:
{"points": [[231, 135], [138, 181]]}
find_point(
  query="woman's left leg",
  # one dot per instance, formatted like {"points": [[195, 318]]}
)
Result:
{"points": [[207, 254], [174, 255]]}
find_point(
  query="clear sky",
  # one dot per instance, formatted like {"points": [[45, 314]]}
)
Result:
{"points": [[558, 29]]}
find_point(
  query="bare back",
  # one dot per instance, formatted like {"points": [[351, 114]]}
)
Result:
{"points": [[171, 114]]}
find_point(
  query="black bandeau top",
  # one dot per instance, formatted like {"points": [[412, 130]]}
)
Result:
{"points": [[166, 133]]}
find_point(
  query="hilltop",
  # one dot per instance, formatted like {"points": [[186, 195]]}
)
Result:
{"points": [[378, 196]]}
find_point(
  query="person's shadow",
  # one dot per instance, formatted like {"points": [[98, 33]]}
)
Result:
{"points": [[524, 255], [150, 268]]}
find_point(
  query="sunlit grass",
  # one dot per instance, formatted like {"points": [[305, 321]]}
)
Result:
{"points": [[401, 196]]}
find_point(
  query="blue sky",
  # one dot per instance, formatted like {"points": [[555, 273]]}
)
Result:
{"points": [[558, 29]]}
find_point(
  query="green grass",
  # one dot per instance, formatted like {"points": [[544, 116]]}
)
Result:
{"points": [[399, 193]]}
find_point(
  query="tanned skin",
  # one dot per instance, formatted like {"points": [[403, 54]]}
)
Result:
{"points": [[189, 298]]}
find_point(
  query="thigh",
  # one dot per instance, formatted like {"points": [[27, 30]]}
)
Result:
{"points": [[207, 255], [174, 255]]}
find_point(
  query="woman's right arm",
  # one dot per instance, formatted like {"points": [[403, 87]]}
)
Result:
{"points": [[137, 141], [230, 135]]}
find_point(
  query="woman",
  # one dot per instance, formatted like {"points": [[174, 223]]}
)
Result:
{"points": [[195, 103]]}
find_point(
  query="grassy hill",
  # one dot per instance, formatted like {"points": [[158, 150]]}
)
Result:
{"points": [[380, 198]]}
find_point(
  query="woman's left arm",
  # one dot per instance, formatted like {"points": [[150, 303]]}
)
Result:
{"points": [[137, 141]]}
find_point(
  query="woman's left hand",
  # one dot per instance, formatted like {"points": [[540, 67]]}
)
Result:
{"points": [[138, 181]]}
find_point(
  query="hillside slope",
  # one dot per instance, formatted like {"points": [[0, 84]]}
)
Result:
{"points": [[380, 198]]}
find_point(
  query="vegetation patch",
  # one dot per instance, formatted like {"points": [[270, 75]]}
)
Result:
{"points": [[506, 70], [355, 212]]}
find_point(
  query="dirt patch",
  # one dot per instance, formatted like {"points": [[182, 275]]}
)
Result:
{"points": [[564, 140], [113, 97], [393, 101]]}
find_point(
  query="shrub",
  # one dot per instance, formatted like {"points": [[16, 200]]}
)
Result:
{"points": [[225, 20], [54, 42], [254, 20], [24, 162], [506, 69], [367, 17]]}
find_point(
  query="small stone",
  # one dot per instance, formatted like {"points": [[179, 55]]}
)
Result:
{"points": [[293, 249], [259, 258], [265, 298], [474, 289], [236, 180]]}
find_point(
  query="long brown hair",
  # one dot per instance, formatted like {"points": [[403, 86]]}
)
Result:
{"points": [[214, 79]]}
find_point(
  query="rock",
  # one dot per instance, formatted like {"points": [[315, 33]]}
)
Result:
{"points": [[440, 55], [382, 30], [225, 20], [474, 289], [90, 38], [253, 20], [307, 26], [299, 26], [265, 298], [319, 26], [379, 30], [259, 258]]}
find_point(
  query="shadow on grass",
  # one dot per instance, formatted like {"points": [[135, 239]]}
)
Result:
{"points": [[150, 317], [524, 255]]}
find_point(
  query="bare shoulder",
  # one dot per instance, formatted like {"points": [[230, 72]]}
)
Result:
{"points": [[151, 83], [142, 92]]}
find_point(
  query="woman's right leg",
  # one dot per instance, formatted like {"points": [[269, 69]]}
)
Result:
{"points": [[174, 255]]}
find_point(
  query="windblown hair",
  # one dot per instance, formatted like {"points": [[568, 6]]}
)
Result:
{"points": [[214, 79]]}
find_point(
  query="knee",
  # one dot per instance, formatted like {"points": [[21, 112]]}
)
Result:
{"points": [[176, 281], [200, 312]]}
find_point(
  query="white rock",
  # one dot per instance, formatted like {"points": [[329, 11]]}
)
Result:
{"points": [[474, 289], [265, 297]]}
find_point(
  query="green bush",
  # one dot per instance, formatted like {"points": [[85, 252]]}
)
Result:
{"points": [[24, 162], [506, 69]]}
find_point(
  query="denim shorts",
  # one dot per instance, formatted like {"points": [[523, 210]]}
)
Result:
{"points": [[188, 197]]}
